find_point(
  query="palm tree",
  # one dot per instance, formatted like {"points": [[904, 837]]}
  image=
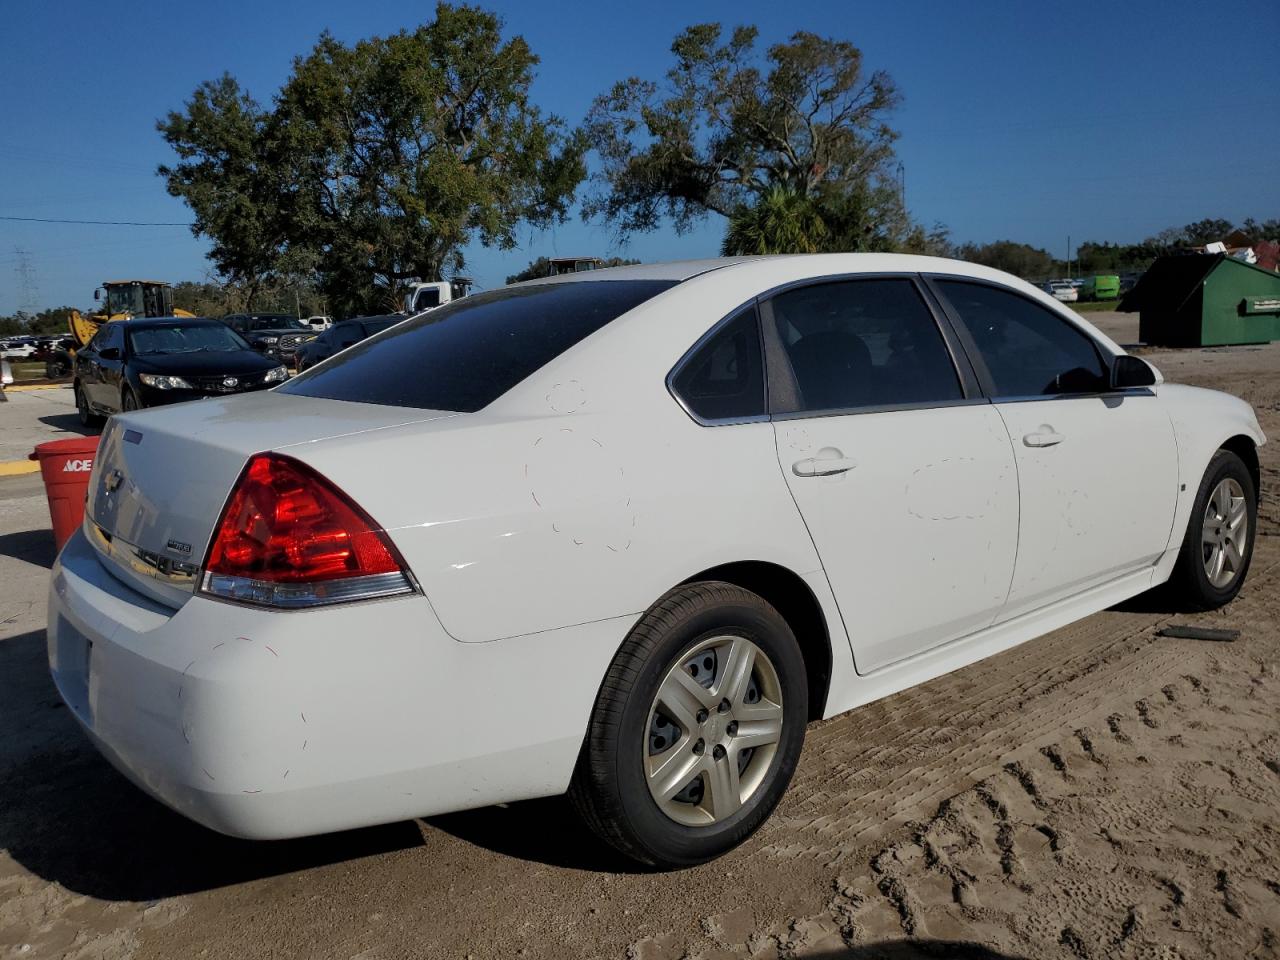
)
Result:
{"points": [[782, 221]]}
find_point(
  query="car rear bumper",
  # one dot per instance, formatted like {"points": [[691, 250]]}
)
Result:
{"points": [[268, 725]]}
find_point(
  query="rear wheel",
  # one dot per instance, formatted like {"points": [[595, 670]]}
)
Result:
{"points": [[87, 417], [697, 728], [1218, 545]]}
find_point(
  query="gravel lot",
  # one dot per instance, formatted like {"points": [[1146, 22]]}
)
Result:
{"points": [[1100, 792]]}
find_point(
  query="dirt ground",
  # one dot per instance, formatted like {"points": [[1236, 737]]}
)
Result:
{"points": [[1099, 792]]}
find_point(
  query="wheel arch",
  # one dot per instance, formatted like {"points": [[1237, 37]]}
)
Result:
{"points": [[787, 593], [1244, 447]]}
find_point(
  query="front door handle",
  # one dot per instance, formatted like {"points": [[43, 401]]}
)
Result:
{"points": [[822, 466], [1043, 437]]}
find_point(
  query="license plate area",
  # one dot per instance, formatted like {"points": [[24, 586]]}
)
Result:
{"points": [[73, 653]]}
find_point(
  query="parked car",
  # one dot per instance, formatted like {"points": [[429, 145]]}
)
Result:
{"points": [[319, 322], [623, 533], [273, 334], [1062, 290], [18, 348], [131, 364], [342, 335], [56, 355]]}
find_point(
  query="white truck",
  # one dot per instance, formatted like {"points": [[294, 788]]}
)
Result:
{"points": [[428, 296]]}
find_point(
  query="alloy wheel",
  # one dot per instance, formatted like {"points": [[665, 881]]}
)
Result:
{"points": [[1224, 534]]}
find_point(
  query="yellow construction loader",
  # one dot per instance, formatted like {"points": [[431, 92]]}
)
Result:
{"points": [[125, 299]]}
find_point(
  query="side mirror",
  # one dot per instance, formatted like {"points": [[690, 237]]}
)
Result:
{"points": [[1129, 371], [97, 294], [110, 353]]}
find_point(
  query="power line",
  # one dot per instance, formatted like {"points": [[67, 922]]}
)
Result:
{"points": [[99, 223]]}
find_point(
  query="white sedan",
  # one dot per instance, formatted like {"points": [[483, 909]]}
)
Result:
{"points": [[1062, 290], [622, 534]]}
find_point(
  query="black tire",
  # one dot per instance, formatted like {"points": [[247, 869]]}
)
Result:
{"points": [[609, 788], [87, 417], [1189, 584], [128, 401]]}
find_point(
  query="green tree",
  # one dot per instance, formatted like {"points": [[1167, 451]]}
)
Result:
{"points": [[727, 127], [1020, 259], [232, 176], [1207, 231], [378, 161], [780, 221], [52, 320]]}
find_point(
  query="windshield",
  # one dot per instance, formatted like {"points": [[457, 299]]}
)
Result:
{"points": [[277, 322], [426, 298], [464, 355], [125, 299], [193, 338]]}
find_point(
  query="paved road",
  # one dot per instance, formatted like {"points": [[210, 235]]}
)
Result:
{"points": [[29, 417]]}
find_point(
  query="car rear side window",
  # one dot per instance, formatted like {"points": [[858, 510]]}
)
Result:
{"points": [[1028, 350], [860, 343], [466, 354], [724, 378]]}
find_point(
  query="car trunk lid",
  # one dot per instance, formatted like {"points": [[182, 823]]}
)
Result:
{"points": [[162, 476]]}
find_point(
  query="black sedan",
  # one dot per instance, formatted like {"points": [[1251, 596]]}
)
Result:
{"points": [[274, 334], [144, 363], [342, 335]]}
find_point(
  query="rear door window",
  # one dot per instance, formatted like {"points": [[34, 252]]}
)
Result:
{"points": [[858, 344], [1028, 350], [466, 354], [724, 378]]}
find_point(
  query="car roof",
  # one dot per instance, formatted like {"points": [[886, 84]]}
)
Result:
{"points": [[677, 270], [825, 263]]}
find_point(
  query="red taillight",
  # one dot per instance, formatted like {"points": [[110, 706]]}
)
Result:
{"points": [[287, 534]]}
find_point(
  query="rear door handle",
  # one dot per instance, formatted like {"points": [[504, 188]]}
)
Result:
{"points": [[1044, 437], [822, 466]]}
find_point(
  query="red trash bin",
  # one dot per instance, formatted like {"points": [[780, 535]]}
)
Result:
{"points": [[65, 466]]}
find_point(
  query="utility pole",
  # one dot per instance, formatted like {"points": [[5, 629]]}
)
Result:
{"points": [[28, 293], [1068, 256], [902, 185]]}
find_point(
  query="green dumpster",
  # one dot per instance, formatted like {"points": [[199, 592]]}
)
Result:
{"points": [[1205, 300]]}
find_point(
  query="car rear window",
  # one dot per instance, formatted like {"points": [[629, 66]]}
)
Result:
{"points": [[466, 354]]}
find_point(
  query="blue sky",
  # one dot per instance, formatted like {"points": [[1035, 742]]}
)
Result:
{"points": [[1025, 121]]}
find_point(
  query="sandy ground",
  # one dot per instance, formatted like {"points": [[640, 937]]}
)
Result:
{"points": [[1099, 792]]}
